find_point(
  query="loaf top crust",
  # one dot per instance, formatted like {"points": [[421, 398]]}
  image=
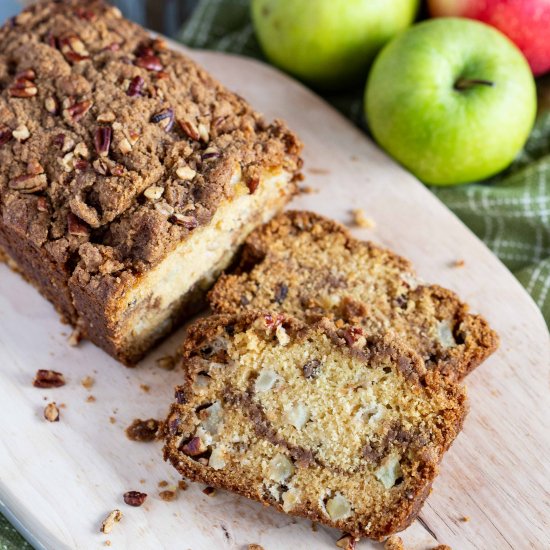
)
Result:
{"points": [[113, 147], [347, 432], [310, 267]]}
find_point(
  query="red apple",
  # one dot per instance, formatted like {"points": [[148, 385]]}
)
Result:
{"points": [[525, 22]]}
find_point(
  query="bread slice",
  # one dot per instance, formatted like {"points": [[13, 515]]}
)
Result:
{"points": [[310, 267], [314, 421]]}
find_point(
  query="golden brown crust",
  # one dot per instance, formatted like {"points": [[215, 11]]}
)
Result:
{"points": [[193, 458], [115, 150], [309, 266]]}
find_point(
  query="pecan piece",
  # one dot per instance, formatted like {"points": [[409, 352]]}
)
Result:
{"points": [[134, 498], [48, 379], [51, 412], [189, 129], [143, 430], [5, 135], [311, 368], [194, 447], [210, 154], [29, 183], [102, 140], [78, 110], [135, 87], [76, 226], [252, 184], [52, 105], [166, 118], [186, 221], [150, 62], [23, 87], [73, 48], [347, 542]]}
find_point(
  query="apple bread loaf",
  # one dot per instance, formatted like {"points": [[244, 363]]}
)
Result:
{"points": [[129, 175], [313, 420], [310, 267]]}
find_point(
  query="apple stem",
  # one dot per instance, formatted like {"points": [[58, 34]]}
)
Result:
{"points": [[467, 83]]}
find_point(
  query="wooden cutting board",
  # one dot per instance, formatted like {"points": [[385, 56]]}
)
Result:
{"points": [[58, 481]]}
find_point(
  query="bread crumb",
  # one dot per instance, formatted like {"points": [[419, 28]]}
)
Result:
{"points": [[319, 171], [465, 518], [51, 412], [361, 220], [87, 382], [314, 526], [442, 547], [90, 399], [74, 338], [307, 190], [209, 491], [166, 362], [146, 388], [182, 485], [109, 522], [394, 543], [255, 547], [168, 496], [458, 263], [142, 481], [107, 543], [163, 483], [112, 419], [347, 542]]}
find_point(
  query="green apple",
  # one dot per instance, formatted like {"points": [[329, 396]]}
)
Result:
{"points": [[328, 43], [453, 100]]}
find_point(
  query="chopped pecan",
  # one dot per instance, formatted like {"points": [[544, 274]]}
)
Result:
{"points": [[73, 48], [52, 105], [347, 542], [194, 447], [42, 204], [134, 498], [252, 184], [210, 154], [186, 221], [5, 135], [102, 140], [23, 87], [78, 110], [311, 368], [21, 133], [166, 118], [135, 87], [29, 183], [150, 62], [143, 430], [180, 396], [48, 379], [189, 129], [76, 226]]}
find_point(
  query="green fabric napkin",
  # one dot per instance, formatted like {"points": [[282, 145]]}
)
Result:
{"points": [[510, 212]]}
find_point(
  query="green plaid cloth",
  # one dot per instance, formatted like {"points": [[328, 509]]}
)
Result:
{"points": [[510, 212]]}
